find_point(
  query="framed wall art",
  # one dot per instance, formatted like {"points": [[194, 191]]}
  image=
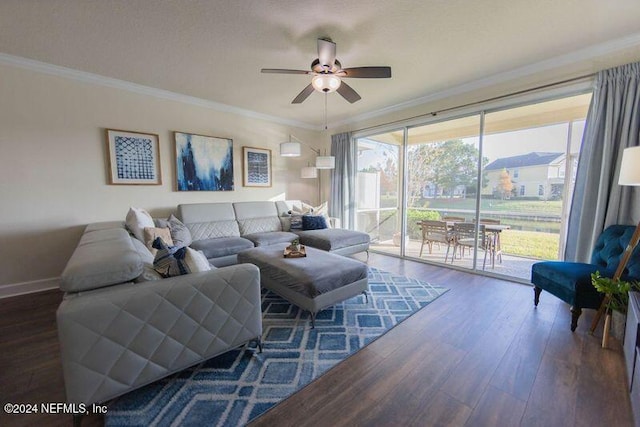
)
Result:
{"points": [[203, 163], [256, 167], [134, 157]]}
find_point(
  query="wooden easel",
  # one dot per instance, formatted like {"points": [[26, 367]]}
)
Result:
{"points": [[618, 274]]}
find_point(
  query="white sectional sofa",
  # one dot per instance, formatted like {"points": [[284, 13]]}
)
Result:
{"points": [[121, 326], [222, 230], [119, 332]]}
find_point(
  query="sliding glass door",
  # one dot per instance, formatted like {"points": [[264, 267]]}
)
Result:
{"points": [[533, 154], [442, 182], [378, 190], [489, 191]]}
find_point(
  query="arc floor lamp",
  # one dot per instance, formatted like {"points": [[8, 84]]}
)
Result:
{"points": [[293, 148]]}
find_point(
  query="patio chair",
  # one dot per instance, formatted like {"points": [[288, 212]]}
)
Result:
{"points": [[571, 281], [493, 237], [464, 236], [435, 232]]}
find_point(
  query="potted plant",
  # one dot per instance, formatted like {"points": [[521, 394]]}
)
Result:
{"points": [[617, 299], [295, 245]]}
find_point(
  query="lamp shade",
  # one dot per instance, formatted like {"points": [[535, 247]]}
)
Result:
{"points": [[630, 167], [325, 162], [290, 149], [308, 172]]}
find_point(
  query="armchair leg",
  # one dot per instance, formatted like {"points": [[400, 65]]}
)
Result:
{"points": [[575, 314], [536, 295]]}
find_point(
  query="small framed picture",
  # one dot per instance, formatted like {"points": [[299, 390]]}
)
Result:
{"points": [[256, 167], [134, 158]]}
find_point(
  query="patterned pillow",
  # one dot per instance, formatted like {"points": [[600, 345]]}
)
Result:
{"points": [[296, 221], [313, 222], [169, 259]]}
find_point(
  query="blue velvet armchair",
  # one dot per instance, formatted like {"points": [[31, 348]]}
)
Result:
{"points": [[571, 281]]}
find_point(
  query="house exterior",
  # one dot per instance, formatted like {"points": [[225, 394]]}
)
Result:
{"points": [[533, 175]]}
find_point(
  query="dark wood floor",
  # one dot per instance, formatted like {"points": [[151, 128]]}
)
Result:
{"points": [[480, 355]]}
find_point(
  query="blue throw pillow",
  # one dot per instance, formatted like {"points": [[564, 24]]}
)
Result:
{"points": [[313, 222]]}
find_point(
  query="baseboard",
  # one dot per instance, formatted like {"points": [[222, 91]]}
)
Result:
{"points": [[14, 289]]}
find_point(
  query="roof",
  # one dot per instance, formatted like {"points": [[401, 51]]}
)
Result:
{"points": [[524, 160]]}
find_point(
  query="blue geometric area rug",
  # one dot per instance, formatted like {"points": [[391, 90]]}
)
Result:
{"points": [[236, 387]]}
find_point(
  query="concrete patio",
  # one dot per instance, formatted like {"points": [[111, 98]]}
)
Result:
{"points": [[512, 266]]}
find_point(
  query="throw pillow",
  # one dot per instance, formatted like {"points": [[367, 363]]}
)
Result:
{"points": [[180, 234], [196, 261], [321, 209], [302, 209], [137, 220], [313, 222], [296, 222], [152, 233], [168, 260]]}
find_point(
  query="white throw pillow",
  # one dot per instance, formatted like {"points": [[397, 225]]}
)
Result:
{"points": [[196, 261], [137, 220]]}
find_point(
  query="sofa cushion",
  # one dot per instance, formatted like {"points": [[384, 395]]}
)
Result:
{"points": [[102, 258], [213, 229], [259, 225], [313, 222], [137, 220], [215, 248], [271, 238], [330, 239]]}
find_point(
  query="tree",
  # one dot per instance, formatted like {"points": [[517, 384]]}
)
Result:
{"points": [[505, 186]]}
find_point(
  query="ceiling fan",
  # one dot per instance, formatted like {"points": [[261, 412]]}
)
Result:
{"points": [[328, 73]]}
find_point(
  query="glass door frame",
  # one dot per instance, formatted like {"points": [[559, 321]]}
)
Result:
{"points": [[480, 109]]}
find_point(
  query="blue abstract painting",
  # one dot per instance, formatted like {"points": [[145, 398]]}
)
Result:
{"points": [[203, 163]]}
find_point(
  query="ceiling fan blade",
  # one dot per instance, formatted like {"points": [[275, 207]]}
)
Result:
{"points": [[281, 71], [303, 95], [366, 72], [348, 93], [326, 52]]}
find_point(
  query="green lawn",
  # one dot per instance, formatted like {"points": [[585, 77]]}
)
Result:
{"points": [[550, 207], [530, 244]]}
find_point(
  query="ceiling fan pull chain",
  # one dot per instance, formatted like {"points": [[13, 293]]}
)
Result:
{"points": [[325, 111]]}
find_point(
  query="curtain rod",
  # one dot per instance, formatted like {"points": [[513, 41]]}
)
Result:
{"points": [[483, 101]]}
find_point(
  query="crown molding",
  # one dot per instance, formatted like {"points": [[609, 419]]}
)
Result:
{"points": [[586, 54], [96, 79]]}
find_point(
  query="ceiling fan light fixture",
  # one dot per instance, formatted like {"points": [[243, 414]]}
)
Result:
{"points": [[326, 83]]}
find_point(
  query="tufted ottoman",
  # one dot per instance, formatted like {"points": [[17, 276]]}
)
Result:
{"points": [[313, 283]]}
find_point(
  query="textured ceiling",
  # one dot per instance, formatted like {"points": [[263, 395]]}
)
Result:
{"points": [[214, 49]]}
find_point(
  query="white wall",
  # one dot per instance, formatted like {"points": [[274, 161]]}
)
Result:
{"points": [[53, 172]]}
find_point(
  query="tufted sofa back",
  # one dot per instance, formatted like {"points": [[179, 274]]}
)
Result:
{"points": [[610, 247]]}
